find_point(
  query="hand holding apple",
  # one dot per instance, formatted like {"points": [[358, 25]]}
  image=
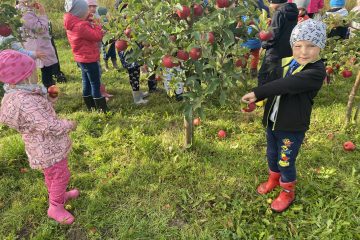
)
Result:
{"points": [[53, 91], [249, 98]]}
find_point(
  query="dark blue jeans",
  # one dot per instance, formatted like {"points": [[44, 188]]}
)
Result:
{"points": [[282, 150], [91, 79]]}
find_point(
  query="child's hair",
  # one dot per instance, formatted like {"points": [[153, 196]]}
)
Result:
{"points": [[15, 66], [309, 30]]}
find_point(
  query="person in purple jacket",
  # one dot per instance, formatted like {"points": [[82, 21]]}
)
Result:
{"points": [[36, 35]]}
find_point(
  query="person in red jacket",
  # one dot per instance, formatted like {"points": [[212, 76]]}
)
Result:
{"points": [[84, 38]]}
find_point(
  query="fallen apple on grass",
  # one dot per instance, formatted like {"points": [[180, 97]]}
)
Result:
{"points": [[349, 146], [221, 134]]}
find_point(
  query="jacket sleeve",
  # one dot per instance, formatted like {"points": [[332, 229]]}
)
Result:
{"points": [[304, 81], [38, 117], [277, 22], [40, 24], [87, 32]]}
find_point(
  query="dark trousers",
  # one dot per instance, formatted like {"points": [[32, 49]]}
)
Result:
{"points": [[47, 75], [56, 69], [91, 79], [111, 53], [134, 77], [282, 150]]}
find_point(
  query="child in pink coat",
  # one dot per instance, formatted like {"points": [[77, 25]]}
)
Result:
{"points": [[27, 108], [37, 38]]}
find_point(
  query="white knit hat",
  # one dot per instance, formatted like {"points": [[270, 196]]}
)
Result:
{"points": [[309, 30]]}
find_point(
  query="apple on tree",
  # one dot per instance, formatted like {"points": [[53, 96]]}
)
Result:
{"points": [[346, 73], [5, 30], [222, 3], [127, 32], [195, 53], [121, 45], [183, 55], [198, 10], [184, 13], [168, 62]]}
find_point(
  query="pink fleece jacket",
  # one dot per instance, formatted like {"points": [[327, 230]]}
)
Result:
{"points": [[45, 136]]}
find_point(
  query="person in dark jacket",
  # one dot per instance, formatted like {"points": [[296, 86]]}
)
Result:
{"points": [[288, 108], [337, 8], [282, 23]]}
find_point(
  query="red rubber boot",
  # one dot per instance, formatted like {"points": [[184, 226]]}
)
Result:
{"points": [[272, 182], [285, 198]]}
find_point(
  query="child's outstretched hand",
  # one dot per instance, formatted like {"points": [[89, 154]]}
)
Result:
{"points": [[249, 98]]}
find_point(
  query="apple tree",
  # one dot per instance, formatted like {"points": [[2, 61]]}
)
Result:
{"points": [[9, 23], [204, 41], [343, 58]]}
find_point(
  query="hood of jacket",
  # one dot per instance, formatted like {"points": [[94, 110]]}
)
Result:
{"points": [[290, 11]]}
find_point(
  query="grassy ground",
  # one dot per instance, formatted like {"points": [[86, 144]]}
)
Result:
{"points": [[137, 182]]}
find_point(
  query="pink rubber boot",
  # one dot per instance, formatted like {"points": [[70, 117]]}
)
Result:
{"points": [[56, 179]]}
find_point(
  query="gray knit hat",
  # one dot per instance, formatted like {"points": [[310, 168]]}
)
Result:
{"points": [[309, 30], [77, 8], [301, 3]]}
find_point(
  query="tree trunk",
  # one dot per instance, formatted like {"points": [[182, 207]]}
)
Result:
{"points": [[351, 99], [189, 132]]}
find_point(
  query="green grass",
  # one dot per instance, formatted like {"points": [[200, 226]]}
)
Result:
{"points": [[137, 181]]}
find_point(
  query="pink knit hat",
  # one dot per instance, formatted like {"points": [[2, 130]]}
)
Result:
{"points": [[15, 66], [92, 2]]}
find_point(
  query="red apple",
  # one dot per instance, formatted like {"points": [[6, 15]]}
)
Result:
{"points": [[198, 10], [241, 63], [167, 61], [346, 73], [329, 70], [24, 170], [183, 55], [222, 3], [184, 13], [250, 107], [211, 37], [128, 32], [121, 45], [5, 30], [53, 91], [221, 134], [195, 53], [337, 66], [349, 146], [158, 78], [265, 35], [196, 121]]}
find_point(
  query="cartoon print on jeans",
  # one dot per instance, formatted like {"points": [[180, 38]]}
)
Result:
{"points": [[285, 152]]}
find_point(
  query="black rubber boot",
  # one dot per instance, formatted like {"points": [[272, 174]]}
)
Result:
{"points": [[89, 102], [101, 105]]}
